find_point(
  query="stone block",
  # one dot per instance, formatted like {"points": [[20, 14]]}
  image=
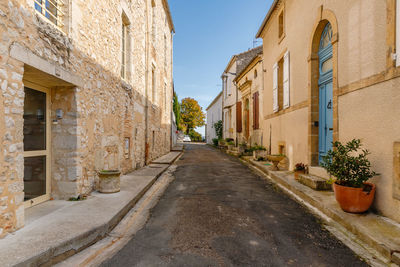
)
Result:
{"points": [[314, 182], [19, 198], [20, 217], [65, 142], [68, 188], [16, 187], [74, 173]]}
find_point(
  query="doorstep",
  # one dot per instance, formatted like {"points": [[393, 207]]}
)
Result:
{"points": [[178, 147], [57, 229], [378, 232]]}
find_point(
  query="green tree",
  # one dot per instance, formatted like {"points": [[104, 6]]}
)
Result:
{"points": [[192, 114], [177, 111]]}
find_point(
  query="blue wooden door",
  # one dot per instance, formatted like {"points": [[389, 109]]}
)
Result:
{"points": [[325, 93]]}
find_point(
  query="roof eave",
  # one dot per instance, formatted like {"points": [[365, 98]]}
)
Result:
{"points": [[168, 10], [266, 19], [214, 101]]}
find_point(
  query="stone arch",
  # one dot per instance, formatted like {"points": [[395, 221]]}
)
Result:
{"points": [[325, 16]]}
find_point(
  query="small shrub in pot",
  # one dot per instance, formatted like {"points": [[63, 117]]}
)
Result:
{"points": [[351, 168]]}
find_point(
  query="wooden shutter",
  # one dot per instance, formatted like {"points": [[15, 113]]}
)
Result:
{"points": [[275, 88], [239, 117], [256, 113], [286, 80]]}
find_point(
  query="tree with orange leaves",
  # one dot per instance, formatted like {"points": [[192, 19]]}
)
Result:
{"points": [[192, 114]]}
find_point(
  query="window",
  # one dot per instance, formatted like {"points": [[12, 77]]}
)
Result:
{"points": [[165, 98], [153, 85], [153, 21], [281, 21], [52, 10], [165, 53], [124, 52], [281, 83], [255, 74], [398, 33]]}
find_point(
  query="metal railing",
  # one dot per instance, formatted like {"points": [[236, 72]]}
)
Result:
{"points": [[52, 10]]}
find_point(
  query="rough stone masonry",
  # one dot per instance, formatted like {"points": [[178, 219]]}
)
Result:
{"points": [[109, 120]]}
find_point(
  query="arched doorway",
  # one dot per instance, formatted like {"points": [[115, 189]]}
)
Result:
{"points": [[325, 84]]}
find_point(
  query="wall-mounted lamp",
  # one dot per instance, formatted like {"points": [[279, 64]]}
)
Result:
{"points": [[59, 114]]}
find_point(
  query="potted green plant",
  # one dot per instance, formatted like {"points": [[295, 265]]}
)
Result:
{"points": [[299, 168], [351, 168], [259, 151], [275, 159], [231, 145], [109, 181], [215, 141]]}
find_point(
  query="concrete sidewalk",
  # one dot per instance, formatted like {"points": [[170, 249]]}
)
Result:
{"points": [[374, 231], [58, 229]]}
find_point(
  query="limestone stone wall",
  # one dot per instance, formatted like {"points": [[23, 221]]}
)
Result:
{"points": [[81, 66]]}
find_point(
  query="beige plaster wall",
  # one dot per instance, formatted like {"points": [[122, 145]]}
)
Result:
{"points": [[372, 114], [290, 129], [362, 42]]}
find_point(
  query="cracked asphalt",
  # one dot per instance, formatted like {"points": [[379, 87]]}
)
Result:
{"points": [[217, 212]]}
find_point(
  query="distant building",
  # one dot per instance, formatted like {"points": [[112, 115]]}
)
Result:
{"points": [[214, 114], [231, 95], [250, 85]]}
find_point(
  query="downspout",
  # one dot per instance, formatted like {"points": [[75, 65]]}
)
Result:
{"points": [[237, 98], [146, 109], [262, 88], [172, 87]]}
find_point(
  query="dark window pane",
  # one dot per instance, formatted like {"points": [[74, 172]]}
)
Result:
{"points": [[34, 177], [34, 120], [38, 7]]}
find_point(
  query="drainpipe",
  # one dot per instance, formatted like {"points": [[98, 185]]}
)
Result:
{"points": [[237, 98], [262, 88], [146, 109]]}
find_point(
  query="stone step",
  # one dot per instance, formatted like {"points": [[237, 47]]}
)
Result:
{"points": [[314, 182]]}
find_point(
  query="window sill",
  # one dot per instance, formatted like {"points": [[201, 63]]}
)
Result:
{"points": [[281, 38]]}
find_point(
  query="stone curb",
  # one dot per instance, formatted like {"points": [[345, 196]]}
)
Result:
{"points": [[388, 252], [76, 244]]}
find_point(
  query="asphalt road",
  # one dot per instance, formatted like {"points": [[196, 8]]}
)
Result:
{"points": [[217, 212]]}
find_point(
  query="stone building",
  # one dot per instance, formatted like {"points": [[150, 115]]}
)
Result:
{"points": [[331, 73], [85, 86], [214, 114], [250, 85], [231, 94]]}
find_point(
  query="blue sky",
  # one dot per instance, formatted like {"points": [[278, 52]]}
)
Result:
{"points": [[208, 33]]}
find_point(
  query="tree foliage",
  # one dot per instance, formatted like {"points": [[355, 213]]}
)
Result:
{"points": [[218, 129], [177, 111], [348, 163], [195, 136], [192, 114]]}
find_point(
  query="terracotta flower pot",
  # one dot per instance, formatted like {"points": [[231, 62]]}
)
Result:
{"points": [[297, 173], [354, 200]]}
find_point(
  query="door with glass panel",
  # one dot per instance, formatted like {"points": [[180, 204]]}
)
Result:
{"points": [[36, 144]]}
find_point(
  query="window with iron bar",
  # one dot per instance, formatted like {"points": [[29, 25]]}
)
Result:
{"points": [[124, 50], [52, 10]]}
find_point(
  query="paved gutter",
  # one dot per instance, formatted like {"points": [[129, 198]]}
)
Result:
{"points": [[69, 227], [374, 231]]}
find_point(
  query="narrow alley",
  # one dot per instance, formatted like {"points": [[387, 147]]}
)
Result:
{"points": [[217, 212]]}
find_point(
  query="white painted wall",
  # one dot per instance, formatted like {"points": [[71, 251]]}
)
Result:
{"points": [[214, 114]]}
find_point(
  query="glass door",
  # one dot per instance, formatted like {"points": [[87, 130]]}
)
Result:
{"points": [[36, 144]]}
